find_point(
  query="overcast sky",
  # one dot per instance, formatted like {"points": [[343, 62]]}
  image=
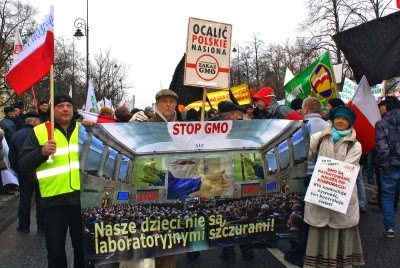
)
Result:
{"points": [[150, 36]]}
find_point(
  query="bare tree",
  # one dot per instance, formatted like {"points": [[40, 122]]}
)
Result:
{"points": [[108, 77]]}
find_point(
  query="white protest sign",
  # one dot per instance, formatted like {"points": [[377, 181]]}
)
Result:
{"points": [[332, 184], [349, 87], [208, 47], [378, 90], [348, 90]]}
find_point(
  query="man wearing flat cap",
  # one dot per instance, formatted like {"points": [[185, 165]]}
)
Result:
{"points": [[59, 180], [166, 101], [28, 183], [7, 124], [230, 111]]}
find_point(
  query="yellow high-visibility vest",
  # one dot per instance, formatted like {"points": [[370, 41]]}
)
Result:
{"points": [[62, 176]]}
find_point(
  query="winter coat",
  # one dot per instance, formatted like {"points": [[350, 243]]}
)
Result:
{"points": [[387, 140], [348, 150], [8, 125]]}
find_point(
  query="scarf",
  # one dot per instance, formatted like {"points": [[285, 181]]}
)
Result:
{"points": [[338, 134]]}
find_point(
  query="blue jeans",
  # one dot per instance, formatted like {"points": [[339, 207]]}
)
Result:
{"points": [[362, 198], [390, 185]]}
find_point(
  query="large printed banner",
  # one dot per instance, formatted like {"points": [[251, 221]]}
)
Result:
{"points": [[241, 93], [332, 184], [154, 189], [317, 80]]}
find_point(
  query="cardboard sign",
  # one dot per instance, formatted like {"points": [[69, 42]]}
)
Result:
{"points": [[332, 184], [208, 54]]}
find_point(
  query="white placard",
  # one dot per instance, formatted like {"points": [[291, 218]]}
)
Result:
{"points": [[208, 51], [332, 184]]}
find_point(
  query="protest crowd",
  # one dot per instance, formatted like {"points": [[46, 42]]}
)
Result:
{"points": [[39, 158], [234, 210]]}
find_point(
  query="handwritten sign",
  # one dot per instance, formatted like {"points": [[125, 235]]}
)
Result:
{"points": [[332, 184]]}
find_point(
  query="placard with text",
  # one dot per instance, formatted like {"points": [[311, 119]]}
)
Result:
{"points": [[332, 184]]}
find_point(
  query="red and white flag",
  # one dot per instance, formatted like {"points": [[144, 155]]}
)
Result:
{"points": [[367, 112], [96, 117], [17, 43], [35, 59], [91, 101], [398, 3]]}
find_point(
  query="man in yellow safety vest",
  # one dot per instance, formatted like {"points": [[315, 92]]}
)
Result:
{"points": [[59, 181]]}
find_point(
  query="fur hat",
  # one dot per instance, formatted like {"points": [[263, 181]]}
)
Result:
{"points": [[106, 110], [343, 111], [228, 106], [392, 103], [166, 93], [60, 97]]}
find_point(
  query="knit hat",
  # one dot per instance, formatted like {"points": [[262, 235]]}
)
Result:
{"points": [[62, 97], [335, 102], [343, 111], [106, 110], [392, 103], [166, 93], [228, 106], [266, 94], [8, 109]]}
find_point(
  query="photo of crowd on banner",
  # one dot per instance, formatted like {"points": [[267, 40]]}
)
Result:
{"points": [[189, 225], [139, 206]]}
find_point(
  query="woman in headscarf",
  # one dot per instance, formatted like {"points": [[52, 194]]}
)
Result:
{"points": [[333, 239]]}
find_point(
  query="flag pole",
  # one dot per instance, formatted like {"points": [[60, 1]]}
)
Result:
{"points": [[50, 160], [203, 104]]}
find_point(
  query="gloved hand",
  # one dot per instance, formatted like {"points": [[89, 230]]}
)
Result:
{"points": [[139, 117]]}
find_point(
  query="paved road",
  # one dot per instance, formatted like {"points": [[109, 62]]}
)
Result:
{"points": [[28, 250]]}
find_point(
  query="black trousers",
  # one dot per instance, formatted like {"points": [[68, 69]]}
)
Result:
{"points": [[58, 220], [28, 186]]}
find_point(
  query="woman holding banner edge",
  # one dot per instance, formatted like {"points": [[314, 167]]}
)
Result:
{"points": [[333, 239]]}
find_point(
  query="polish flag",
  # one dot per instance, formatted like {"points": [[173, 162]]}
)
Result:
{"points": [[367, 112], [35, 59], [96, 117], [91, 101]]}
